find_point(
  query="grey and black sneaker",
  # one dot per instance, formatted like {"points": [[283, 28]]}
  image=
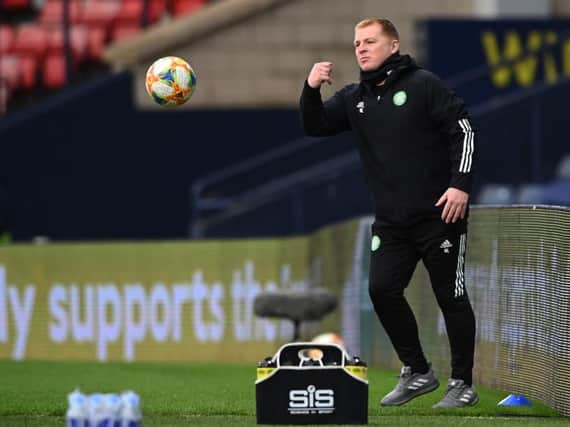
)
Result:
{"points": [[410, 386], [458, 395]]}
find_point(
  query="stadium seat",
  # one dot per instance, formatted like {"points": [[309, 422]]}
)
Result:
{"points": [[78, 40], [9, 65], [123, 31], [99, 13], [15, 4], [7, 36], [54, 71], [496, 194], [529, 194], [30, 39], [181, 7], [130, 11], [563, 167], [157, 8], [52, 12], [557, 191], [128, 21], [28, 68], [28, 43], [96, 38]]}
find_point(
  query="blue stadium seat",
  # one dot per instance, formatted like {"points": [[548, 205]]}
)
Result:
{"points": [[563, 168], [496, 194], [557, 191], [529, 194]]}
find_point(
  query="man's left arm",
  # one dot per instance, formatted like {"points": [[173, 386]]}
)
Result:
{"points": [[449, 113]]}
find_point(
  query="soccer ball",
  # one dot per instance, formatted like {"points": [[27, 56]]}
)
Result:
{"points": [[170, 81], [325, 338], [328, 338]]}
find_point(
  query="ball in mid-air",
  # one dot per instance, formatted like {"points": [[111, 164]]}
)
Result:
{"points": [[328, 338], [170, 81]]}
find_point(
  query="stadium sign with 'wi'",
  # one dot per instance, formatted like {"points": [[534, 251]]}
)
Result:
{"points": [[190, 301], [486, 58]]}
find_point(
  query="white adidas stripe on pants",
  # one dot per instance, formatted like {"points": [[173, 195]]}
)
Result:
{"points": [[459, 272]]}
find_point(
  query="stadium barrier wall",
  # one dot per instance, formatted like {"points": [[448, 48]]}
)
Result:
{"points": [[192, 301], [517, 274], [160, 301]]}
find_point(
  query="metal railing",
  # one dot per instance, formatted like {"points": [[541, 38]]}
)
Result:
{"points": [[226, 207]]}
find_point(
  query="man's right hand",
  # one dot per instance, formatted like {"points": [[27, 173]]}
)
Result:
{"points": [[320, 73]]}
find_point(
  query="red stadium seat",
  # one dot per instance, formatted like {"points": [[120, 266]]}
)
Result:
{"points": [[15, 4], [7, 36], [128, 21], [98, 15], [30, 44], [156, 9], [30, 39], [28, 69], [54, 72], [99, 12], [78, 40], [181, 7], [9, 66], [131, 10], [126, 30], [52, 12], [95, 42]]}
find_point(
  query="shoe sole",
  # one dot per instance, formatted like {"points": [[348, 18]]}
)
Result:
{"points": [[412, 396]]}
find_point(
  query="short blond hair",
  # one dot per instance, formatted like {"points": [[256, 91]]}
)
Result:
{"points": [[387, 26]]}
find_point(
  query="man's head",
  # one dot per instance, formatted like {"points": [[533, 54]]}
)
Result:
{"points": [[375, 39]]}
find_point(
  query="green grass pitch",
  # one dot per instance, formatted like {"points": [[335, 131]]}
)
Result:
{"points": [[35, 394]]}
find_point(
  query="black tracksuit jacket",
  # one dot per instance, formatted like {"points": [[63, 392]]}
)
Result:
{"points": [[414, 137]]}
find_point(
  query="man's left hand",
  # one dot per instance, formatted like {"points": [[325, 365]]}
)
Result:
{"points": [[455, 204]]}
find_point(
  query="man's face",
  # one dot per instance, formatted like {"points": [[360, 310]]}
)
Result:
{"points": [[372, 46]]}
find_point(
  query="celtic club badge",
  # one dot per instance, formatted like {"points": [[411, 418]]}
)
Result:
{"points": [[400, 98]]}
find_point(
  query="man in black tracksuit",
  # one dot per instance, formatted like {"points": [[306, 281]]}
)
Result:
{"points": [[417, 146]]}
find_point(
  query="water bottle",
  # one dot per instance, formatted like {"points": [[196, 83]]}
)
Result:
{"points": [[77, 415], [113, 406], [130, 410], [97, 410]]}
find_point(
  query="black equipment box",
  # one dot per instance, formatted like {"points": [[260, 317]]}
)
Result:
{"points": [[309, 383]]}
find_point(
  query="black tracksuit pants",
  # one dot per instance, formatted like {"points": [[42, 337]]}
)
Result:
{"points": [[395, 254]]}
